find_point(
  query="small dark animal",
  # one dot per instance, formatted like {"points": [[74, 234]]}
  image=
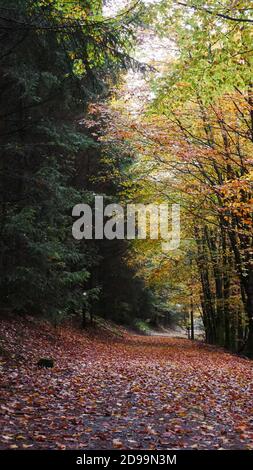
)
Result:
{"points": [[45, 362]]}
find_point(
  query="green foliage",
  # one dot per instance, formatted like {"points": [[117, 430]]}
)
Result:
{"points": [[60, 58], [141, 326], [214, 55]]}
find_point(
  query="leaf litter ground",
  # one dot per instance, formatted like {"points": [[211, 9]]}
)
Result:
{"points": [[128, 392]]}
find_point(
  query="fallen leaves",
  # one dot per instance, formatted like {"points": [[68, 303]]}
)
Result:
{"points": [[117, 444], [135, 393]]}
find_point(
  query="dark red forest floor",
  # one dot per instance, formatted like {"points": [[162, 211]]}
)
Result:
{"points": [[133, 393]]}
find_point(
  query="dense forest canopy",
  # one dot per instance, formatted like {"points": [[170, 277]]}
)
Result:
{"points": [[57, 59], [69, 131], [194, 146]]}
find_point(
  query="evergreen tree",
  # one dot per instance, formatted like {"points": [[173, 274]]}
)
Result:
{"points": [[56, 58]]}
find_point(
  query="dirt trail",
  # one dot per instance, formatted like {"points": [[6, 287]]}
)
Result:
{"points": [[136, 393]]}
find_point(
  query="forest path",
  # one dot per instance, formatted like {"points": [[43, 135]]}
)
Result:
{"points": [[169, 333], [136, 393]]}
